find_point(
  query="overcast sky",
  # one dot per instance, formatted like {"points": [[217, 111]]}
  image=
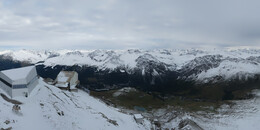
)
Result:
{"points": [[123, 24]]}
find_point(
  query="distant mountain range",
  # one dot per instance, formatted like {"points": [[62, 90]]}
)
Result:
{"points": [[149, 69]]}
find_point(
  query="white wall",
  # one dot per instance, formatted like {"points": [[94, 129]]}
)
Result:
{"points": [[3, 86], [31, 75], [22, 91], [19, 92], [74, 79], [6, 88], [32, 85]]}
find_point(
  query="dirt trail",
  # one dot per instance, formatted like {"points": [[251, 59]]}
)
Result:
{"points": [[10, 100]]}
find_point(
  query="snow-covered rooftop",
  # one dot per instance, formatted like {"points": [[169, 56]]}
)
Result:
{"points": [[63, 79], [18, 73], [138, 116], [65, 76], [62, 85]]}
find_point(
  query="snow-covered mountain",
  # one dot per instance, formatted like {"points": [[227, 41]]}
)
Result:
{"points": [[161, 69], [49, 108], [191, 64]]}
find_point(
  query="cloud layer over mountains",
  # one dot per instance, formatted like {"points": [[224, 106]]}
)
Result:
{"points": [[121, 24]]}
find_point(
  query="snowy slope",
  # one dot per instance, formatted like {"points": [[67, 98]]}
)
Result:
{"points": [[41, 111], [228, 69], [242, 115], [245, 115], [202, 65], [27, 55]]}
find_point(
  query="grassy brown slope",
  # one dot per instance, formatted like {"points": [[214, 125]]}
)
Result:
{"points": [[149, 102]]}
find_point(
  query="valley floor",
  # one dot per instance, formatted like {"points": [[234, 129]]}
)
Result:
{"points": [[238, 115], [244, 115], [230, 115]]}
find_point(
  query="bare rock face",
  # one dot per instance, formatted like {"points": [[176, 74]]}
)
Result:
{"points": [[9, 128], [188, 124], [7, 122], [17, 109]]}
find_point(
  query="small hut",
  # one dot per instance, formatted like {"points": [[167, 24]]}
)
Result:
{"points": [[138, 118], [67, 80]]}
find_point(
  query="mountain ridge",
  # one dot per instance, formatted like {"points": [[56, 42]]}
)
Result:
{"points": [[192, 64]]}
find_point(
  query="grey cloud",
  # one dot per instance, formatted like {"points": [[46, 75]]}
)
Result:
{"points": [[120, 24]]}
